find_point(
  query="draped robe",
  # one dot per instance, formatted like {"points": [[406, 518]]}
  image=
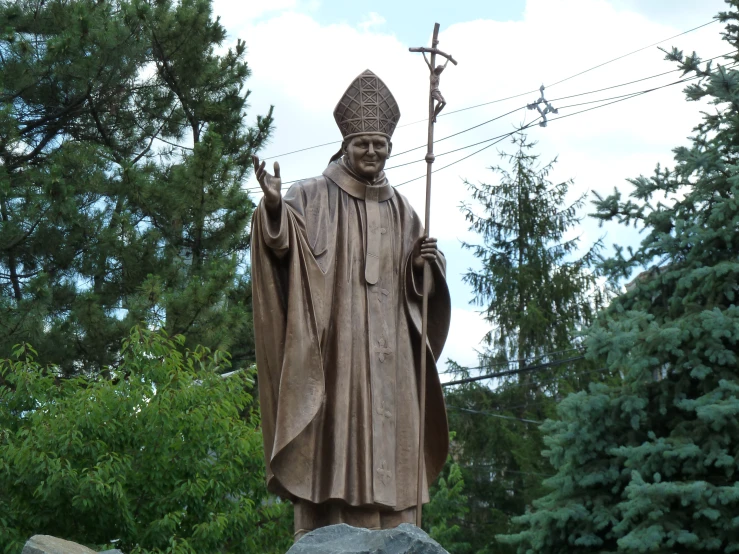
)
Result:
{"points": [[337, 319]]}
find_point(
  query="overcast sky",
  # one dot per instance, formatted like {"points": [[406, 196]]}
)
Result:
{"points": [[304, 53]]}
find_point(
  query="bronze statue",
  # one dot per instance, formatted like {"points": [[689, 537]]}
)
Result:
{"points": [[337, 272]]}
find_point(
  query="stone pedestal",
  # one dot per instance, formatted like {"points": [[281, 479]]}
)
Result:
{"points": [[344, 539]]}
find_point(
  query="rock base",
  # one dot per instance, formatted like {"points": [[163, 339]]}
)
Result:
{"points": [[46, 544], [344, 539]]}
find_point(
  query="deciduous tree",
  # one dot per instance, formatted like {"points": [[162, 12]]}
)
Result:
{"points": [[163, 456]]}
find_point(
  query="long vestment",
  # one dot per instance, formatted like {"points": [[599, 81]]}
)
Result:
{"points": [[337, 322]]}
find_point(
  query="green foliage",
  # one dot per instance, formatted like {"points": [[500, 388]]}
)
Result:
{"points": [[532, 288], [537, 294], [498, 447], [651, 465], [446, 508], [123, 150], [164, 457]]}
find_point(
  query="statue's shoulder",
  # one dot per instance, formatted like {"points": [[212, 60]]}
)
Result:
{"points": [[399, 198], [405, 208], [312, 183], [403, 202], [307, 188]]}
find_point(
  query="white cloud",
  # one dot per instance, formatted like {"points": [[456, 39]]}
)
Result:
{"points": [[372, 19], [466, 331], [303, 67], [235, 14], [238, 15]]}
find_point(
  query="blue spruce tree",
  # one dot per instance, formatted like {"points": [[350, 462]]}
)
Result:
{"points": [[652, 465]]}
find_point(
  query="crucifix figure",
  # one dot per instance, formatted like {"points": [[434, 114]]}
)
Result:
{"points": [[435, 77], [435, 72]]}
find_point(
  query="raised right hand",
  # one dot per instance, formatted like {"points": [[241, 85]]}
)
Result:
{"points": [[271, 184]]}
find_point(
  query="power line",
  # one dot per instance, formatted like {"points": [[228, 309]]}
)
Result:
{"points": [[640, 80], [634, 95], [302, 150], [490, 414], [476, 106], [564, 107], [499, 138], [513, 371], [536, 401], [478, 465], [538, 384], [559, 99], [620, 98], [515, 95], [526, 360], [411, 149], [423, 146], [632, 52], [570, 77], [460, 132], [502, 137]]}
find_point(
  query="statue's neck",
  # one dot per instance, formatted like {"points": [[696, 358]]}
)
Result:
{"points": [[376, 180], [340, 174]]}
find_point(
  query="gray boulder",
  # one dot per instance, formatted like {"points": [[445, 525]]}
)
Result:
{"points": [[46, 544], [344, 539]]}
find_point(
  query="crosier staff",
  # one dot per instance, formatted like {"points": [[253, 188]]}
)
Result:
{"points": [[434, 97]]}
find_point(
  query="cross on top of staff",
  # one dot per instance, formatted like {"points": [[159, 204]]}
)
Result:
{"points": [[434, 49]]}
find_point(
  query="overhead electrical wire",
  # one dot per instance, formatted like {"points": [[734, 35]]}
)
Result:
{"points": [[504, 472], [571, 76], [553, 100], [620, 98], [502, 137], [539, 383], [534, 91], [496, 118], [510, 372], [632, 52], [642, 79], [490, 414], [499, 138], [526, 361], [535, 401]]}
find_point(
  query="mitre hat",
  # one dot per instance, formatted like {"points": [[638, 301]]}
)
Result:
{"points": [[367, 106]]}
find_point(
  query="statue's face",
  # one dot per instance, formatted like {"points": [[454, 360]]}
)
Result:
{"points": [[367, 154]]}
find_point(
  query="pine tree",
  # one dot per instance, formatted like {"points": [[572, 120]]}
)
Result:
{"points": [[447, 508], [536, 293], [650, 465], [531, 287], [123, 149]]}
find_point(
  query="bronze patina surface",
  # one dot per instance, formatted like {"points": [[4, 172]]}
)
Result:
{"points": [[436, 104], [337, 270]]}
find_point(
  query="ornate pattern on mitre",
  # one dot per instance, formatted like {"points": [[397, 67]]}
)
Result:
{"points": [[367, 106]]}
